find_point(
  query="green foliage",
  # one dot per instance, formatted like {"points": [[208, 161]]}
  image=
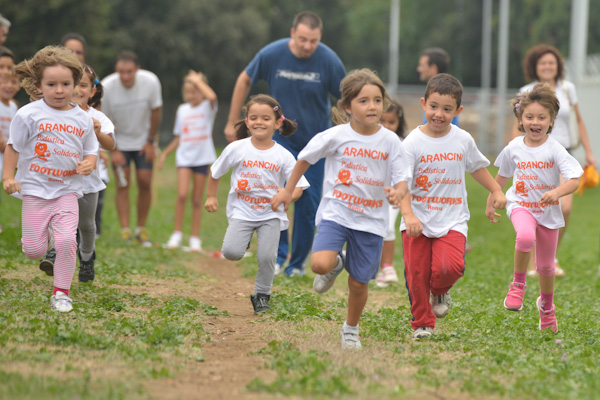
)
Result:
{"points": [[303, 374]]}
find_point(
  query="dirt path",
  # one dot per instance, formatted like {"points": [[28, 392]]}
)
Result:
{"points": [[229, 363]]}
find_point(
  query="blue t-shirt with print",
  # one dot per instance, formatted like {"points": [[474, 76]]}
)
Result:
{"points": [[301, 86]]}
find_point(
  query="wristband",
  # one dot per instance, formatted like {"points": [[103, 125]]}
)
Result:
{"points": [[150, 140]]}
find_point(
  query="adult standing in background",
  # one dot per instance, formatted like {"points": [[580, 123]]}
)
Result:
{"points": [[544, 63], [76, 43], [301, 72], [4, 29], [433, 61], [133, 102]]}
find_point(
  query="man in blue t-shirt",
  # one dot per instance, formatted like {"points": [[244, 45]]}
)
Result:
{"points": [[301, 73], [433, 61]]}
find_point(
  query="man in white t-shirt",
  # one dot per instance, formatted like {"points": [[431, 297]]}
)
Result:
{"points": [[133, 102]]}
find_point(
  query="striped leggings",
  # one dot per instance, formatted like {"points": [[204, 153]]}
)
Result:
{"points": [[63, 214]]}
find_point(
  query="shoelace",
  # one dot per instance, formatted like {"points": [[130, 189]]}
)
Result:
{"points": [[262, 302]]}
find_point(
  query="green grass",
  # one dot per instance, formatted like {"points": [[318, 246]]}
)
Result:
{"points": [[479, 351]]}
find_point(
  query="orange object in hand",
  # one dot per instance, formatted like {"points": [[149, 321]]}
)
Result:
{"points": [[588, 180]]}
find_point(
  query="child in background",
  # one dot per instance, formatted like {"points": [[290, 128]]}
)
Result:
{"points": [[195, 152], [9, 86], [435, 214], [535, 162], [7, 61], [260, 169], [52, 143], [392, 119], [362, 159]]}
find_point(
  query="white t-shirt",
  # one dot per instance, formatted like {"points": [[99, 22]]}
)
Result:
{"points": [[194, 127], [438, 195], [536, 170], [357, 168], [6, 115], [93, 183], [50, 143], [565, 91], [255, 179], [130, 108]]}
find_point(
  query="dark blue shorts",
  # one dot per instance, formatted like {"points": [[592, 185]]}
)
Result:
{"points": [[200, 169], [363, 249], [138, 158]]}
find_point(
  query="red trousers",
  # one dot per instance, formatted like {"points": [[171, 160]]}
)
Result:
{"points": [[431, 265]]}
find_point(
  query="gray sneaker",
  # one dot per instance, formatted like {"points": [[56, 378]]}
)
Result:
{"points": [[61, 302], [350, 340], [47, 264], [423, 332], [441, 304], [323, 283]]}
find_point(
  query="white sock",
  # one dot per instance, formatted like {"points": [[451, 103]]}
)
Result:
{"points": [[138, 229], [177, 234], [350, 327]]}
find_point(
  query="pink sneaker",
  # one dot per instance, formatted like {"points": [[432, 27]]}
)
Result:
{"points": [[380, 280], [514, 298], [547, 317]]}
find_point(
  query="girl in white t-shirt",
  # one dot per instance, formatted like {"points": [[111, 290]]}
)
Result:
{"points": [[535, 163], [260, 169], [52, 143], [88, 94], [392, 119], [195, 152], [362, 161]]}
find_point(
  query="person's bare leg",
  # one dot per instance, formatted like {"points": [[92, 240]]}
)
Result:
{"points": [[144, 180]]}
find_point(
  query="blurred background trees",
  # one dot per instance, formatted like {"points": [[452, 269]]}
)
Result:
{"points": [[220, 37]]}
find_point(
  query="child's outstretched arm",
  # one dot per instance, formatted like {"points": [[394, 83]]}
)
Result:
{"points": [[395, 195], [208, 93], [106, 141], [490, 210], [88, 164], [567, 187], [484, 178], [413, 225], [212, 204], [163, 156], [11, 158], [285, 196]]}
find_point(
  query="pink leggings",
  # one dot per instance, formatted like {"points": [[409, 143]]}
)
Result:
{"points": [[63, 214], [530, 233]]}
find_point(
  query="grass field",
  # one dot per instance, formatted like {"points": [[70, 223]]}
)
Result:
{"points": [[146, 322]]}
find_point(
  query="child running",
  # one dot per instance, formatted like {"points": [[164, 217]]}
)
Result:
{"points": [[195, 152], [361, 160], [88, 95], [535, 163], [9, 86], [392, 119], [435, 214], [52, 143], [260, 169]]}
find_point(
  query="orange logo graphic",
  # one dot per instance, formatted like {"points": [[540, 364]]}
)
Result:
{"points": [[186, 130], [344, 177], [521, 189], [242, 185], [423, 182], [41, 151]]}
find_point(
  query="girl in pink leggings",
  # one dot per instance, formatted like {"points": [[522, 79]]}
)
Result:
{"points": [[542, 172], [51, 144]]}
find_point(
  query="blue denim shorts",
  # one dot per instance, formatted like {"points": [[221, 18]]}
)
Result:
{"points": [[200, 169], [363, 249], [138, 158]]}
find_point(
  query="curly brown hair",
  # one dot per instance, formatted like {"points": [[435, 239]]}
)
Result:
{"points": [[534, 54]]}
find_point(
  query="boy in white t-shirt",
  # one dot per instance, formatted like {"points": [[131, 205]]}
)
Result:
{"points": [[435, 213]]}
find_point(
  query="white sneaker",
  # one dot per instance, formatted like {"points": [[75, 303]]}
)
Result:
{"points": [[350, 340], [423, 332], [323, 283], [175, 241], [441, 304], [277, 269], [61, 302], [195, 244]]}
